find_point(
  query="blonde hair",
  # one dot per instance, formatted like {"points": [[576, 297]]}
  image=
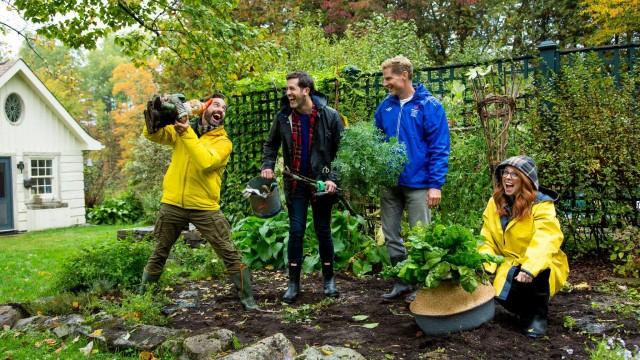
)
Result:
{"points": [[399, 64]]}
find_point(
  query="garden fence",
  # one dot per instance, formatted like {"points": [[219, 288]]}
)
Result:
{"points": [[356, 96]]}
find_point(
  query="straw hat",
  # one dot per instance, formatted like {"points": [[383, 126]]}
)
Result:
{"points": [[449, 299]]}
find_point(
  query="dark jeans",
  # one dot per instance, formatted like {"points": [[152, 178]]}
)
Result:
{"points": [[528, 299], [298, 205]]}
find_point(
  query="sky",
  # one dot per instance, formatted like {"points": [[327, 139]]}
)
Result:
{"points": [[11, 38]]}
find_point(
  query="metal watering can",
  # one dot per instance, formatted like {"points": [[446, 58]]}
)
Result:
{"points": [[263, 196]]}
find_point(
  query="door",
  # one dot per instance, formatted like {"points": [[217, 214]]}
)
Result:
{"points": [[6, 203]]}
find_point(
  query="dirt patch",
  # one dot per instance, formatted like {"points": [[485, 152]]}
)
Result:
{"points": [[397, 336]]}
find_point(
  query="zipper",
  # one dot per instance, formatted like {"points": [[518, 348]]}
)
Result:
{"points": [[398, 123], [184, 181]]}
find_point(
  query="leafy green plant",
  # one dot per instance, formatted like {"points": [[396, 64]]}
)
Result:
{"points": [[613, 348], [626, 251], [262, 241], [62, 303], [568, 322], [199, 262], [125, 209], [438, 252], [138, 308], [365, 161], [118, 263]]}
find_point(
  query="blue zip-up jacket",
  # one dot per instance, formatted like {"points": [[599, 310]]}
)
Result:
{"points": [[421, 124]]}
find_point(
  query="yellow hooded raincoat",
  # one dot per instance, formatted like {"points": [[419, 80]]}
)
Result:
{"points": [[533, 243], [194, 176]]}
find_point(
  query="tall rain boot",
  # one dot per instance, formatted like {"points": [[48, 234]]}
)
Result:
{"points": [[293, 287], [147, 279], [399, 288], [242, 281], [330, 289], [537, 327]]}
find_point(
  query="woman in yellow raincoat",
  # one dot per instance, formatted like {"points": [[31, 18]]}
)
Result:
{"points": [[520, 224]]}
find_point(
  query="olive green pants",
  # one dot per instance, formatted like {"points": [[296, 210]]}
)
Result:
{"points": [[211, 224]]}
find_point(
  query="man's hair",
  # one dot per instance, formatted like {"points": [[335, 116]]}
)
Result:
{"points": [[304, 80], [399, 64], [216, 95]]}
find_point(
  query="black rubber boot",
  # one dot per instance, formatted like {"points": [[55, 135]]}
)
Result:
{"points": [[147, 279], [330, 289], [537, 326], [242, 281], [399, 288], [293, 287]]}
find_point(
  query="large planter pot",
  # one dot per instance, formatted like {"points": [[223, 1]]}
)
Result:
{"points": [[449, 308]]}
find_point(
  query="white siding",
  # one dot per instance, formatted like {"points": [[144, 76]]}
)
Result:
{"points": [[41, 134]]}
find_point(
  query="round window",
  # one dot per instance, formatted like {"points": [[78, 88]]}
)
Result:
{"points": [[13, 107]]}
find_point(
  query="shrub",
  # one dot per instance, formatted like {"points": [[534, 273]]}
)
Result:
{"points": [[139, 308], [118, 264], [125, 209], [626, 251], [199, 262], [263, 243], [585, 125]]}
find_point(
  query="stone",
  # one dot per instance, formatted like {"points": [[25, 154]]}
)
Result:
{"points": [[66, 325], [143, 338], [33, 322], [203, 346], [273, 347], [328, 352], [9, 316]]}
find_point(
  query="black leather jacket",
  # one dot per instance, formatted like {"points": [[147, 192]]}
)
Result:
{"points": [[326, 139]]}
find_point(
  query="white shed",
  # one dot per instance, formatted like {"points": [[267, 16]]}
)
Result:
{"points": [[41, 162]]}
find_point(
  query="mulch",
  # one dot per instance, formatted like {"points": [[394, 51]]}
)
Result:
{"points": [[397, 336]]}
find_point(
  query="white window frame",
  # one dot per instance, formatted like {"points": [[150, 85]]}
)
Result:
{"points": [[53, 195]]}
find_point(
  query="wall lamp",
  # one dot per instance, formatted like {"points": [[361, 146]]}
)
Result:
{"points": [[20, 166]]}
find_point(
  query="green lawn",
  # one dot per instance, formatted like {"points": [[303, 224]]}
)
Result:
{"points": [[28, 261]]}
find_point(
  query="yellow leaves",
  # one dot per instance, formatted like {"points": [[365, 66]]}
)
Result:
{"points": [[96, 333], [145, 355]]}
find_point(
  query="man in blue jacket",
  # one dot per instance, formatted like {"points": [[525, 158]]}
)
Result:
{"points": [[416, 119]]}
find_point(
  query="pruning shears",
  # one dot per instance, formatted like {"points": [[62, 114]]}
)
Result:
{"points": [[320, 187]]}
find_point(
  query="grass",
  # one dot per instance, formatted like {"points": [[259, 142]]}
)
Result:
{"points": [[29, 261]]}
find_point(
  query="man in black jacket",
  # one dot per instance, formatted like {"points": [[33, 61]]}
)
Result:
{"points": [[309, 132]]}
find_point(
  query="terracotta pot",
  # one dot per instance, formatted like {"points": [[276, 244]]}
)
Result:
{"points": [[449, 308]]}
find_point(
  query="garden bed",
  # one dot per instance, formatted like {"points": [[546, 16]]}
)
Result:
{"points": [[578, 317]]}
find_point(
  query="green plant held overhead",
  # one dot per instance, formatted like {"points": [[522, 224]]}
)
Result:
{"points": [[365, 161], [438, 252]]}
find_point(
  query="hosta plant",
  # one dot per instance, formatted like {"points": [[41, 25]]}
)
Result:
{"points": [[437, 253]]}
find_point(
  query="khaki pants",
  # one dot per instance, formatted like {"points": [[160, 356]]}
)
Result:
{"points": [[211, 224]]}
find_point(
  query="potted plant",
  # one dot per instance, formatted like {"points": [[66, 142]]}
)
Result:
{"points": [[455, 293]]}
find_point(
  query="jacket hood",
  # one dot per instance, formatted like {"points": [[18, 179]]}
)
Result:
{"points": [[522, 163], [319, 99], [545, 194]]}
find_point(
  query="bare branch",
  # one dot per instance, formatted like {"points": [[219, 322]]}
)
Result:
{"points": [[27, 39]]}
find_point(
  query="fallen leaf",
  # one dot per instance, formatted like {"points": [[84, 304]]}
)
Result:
{"points": [[51, 342], [87, 349], [6, 327], [75, 339], [96, 333], [360, 317], [326, 351], [38, 344], [582, 286], [145, 355], [370, 325], [126, 336]]}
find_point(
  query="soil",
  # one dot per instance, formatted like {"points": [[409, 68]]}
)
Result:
{"points": [[397, 336]]}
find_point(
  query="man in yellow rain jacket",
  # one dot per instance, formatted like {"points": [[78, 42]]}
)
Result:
{"points": [[520, 224], [191, 192]]}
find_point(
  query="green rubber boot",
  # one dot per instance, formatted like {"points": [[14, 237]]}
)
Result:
{"points": [[242, 282], [147, 279]]}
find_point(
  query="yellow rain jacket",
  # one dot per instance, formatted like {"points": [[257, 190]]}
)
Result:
{"points": [[194, 176], [533, 243]]}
